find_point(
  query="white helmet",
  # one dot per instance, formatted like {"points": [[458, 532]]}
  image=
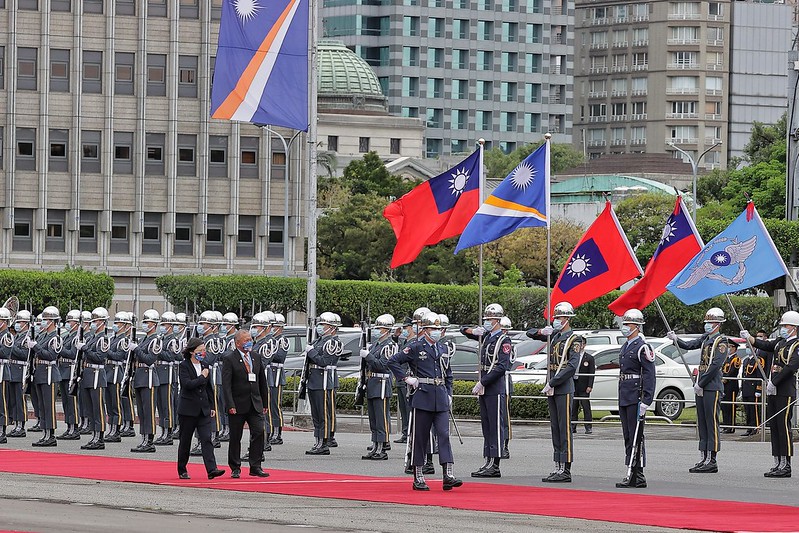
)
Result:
{"points": [[259, 319], [563, 309], [714, 314], [5, 314], [384, 321], [790, 318], [23, 315], [208, 317], [122, 317], [280, 320], [151, 315], [420, 313], [431, 320], [444, 320], [230, 319], [331, 319], [493, 311], [99, 313], [269, 317], [73, 315], [168, 317], [633, 316], [180, 318], [85, 316], [505, 323], [51, 313]]}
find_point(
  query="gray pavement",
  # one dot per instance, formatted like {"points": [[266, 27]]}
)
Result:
{"points": [[598, 465]]}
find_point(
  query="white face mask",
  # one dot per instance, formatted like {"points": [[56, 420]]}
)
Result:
{"points": [[709, 327], [626, 330], [557, 324]]}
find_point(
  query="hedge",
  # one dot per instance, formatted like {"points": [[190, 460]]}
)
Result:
{"points": [[349, 298], [65, 290]]}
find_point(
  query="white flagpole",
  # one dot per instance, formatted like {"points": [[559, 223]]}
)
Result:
{"points": [[311, 214], [481, 188], [548, 137]]}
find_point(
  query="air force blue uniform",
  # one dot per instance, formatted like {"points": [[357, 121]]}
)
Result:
{"points": [[783, 376], [636, 386], [323, 356], [378, 388]]}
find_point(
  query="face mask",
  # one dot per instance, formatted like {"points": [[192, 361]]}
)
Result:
{"points": [[709, 327], [246, 347], [17, 327], [200, 356], [404, 334], [435, 334], [115, 328], [557, 324], [626, 330], [253, 332], [93, 327], [784, 332], [488, 325], [162, 330], [200, 329], [320, 330], [377, 333]]}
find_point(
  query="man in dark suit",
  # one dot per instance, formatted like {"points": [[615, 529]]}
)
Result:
{"points": [[583, 384], [246, 395]]}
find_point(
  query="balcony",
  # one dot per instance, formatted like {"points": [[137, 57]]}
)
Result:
{"points": [[616, 94], [640, 43], [619, 68], [682, 140], [621, 20], [639, 68], [618, 118], [597, 94], [712, 92], [638, 116], [596, 142], [600, 118], [638, 92], [715, 66], [710, 141], [598, 70], [619, 142], [715, 17], [599, 46], [683, 66], [600, 21], [682, 90], [682, 115], [682, 42], [684, 16], [715, 42], [620, 44], [639, 18], [637, 142], [712, 116]]}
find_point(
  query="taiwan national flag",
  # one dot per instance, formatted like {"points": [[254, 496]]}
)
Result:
{"points": [[435, 210], [261, 69], [602, 261], [679, 242], [740, 257]]}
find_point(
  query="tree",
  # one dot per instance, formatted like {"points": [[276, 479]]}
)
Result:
{"points": [[513, 277], [767, 142], [369, 175], [642, 218]]}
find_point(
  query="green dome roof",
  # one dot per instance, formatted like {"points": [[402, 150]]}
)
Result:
{"points": [[346, 81]]}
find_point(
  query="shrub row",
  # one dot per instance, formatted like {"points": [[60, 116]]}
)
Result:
{"points": [[352, 298], [66, 290]]}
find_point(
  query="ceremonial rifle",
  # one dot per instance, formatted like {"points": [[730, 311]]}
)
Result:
{"points": [[74, 373], [360, 388], [126, 375], [303, 386], [27, 372]]}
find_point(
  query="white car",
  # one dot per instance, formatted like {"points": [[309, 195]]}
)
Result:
{"points": [[672, 386]]}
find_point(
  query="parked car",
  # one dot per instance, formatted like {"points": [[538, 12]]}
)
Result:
{"points": [[672, 384]]}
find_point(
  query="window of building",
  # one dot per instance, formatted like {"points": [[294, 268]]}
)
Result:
{"points": [[510, 32], [618, 86], [683, 35], [485, 60], [26, 149], [22, 240], [151, 233], [248, 157], [460, 29], [435, 27], [54, 232], [275, 244], [410, 26], [435, 87], [684, 109], [435, 117], [123, 149], [214, 244], [533, 63], [156, 75], [509, 61], [410, 56], [412, 112], [26, 68], [87, 232], [63, 6], [457, 120], [712, 110], [154, 162], [460, 59], [599, 39], [125, 7], [534, 33], [485, 30], [2, 67], [508, 91], [684, 59], [715, 36], [484, 120], [156, 8], [435, 57], [460, 89], [715, 10], [184, 231], [532, 122], [187, 77], [245, 240], [394, 146], [410, 86], [123, 73], [638, 110], [508, 5], [58, 160], [217, 156], [93, 6], [90, 151], [59, 71], [187, 161], [92, 72], [189, 9], [639, 86], [485, 90], [713, 85], [332, 143], [485, 5], [507, 121], [120, 238], [532, 93], [535, 6], [433, 147], [363, 144]]}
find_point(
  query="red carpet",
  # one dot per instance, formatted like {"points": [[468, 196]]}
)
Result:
{"points": [[632, 508]]}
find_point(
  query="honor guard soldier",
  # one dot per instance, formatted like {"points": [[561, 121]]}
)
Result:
{"points": [[83, 411], [729, 378], [708, 387], [93, 380], [260, 331], [504, 408], [403, 337], [145, 380], [781, 391], [18, 362], [378, 385], [277, 377], [27, 386], [6, 345], [118, 353], [431, 400], [68, 370], [636, 393], [431, 445], [495, 355], [46, 351], [323, 356], [165, 368], [752, 368], [564, 354]]}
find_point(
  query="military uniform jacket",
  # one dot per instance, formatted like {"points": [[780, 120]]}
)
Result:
{"points": [[324, 354], [784, 367], [401, 344], [750, 387], [729, 373], [636, 373], [428, 362], [279, 346], [164, 365], [214, 350], [378, 375], [144, 356], [713, 354], [19, 357], [6, 346], [68, 354], [117, 357], [46, 352], [564, 354], [95, 354], [495, 360]]}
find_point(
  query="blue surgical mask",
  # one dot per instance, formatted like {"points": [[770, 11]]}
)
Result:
{"points": [[320, 330], [377, 333], [709, 327], [200, 356], [435, 334], [626, 330], [93, 327], [246, 347], [17, 327], [784, 332], [162, 330], [488, 325], [254, 332], [557, 324], [200, 329], [115, 328], [403, 334]]}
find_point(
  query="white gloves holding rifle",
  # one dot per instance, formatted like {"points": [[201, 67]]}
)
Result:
{"points": [[642, 407], [548, 390], [771, 390], [478, 389], [698, 390], [412, 382]]}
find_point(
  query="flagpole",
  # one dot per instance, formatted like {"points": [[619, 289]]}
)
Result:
{"points": [[547, 138], [741, 326], [481, 187], [312, 111], [679, 350]]}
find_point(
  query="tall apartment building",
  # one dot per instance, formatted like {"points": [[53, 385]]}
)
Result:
{"points": [[109, 159], [652, 73], [496, 69]]}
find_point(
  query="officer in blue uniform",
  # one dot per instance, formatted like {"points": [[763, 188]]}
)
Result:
{"points": [[504, 409], [114, 373], [379, 385], [495, 358], [145, 380], [6, 344], [564, 354], [46, 351], [277, 377], [66, 367], [402, 336], [93, 380], [431, 380], [636, 393], [84, 411], [729, 378], [165, 369], [708, 387], [323, 356], [753, 368], [781, 391], [18, 359]]}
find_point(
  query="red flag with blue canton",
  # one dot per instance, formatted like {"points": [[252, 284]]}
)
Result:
{"points": [[435, 210], [679, 243], [261, 69], [602, 261]]}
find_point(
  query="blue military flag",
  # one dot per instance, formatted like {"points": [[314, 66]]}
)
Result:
{"points": [[740, 257], [520, 201]]}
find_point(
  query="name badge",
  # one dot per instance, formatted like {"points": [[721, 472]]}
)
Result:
{"points": [[251, 377]]}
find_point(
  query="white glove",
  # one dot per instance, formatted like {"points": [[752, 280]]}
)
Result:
{"points": [[546, 330], [30, 343], [478, 389], [412, 382], [642, 409], [133, 346], [364, 353], [698, 390], [758, 395], [450, 400], [671, 336], [547, 390], [744, 333], [771, 390], [479, 330], [79, 345]]}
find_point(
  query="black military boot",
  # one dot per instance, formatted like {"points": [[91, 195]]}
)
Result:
{"points": [[85, 429], [704, 458], [485, 465], [18, 431], [114, 435], [278, 438], [380, 452], [428, 468], [37, 427], [138, 447], [492, 470], [710, 467], [127, 430], [176, 432], [550, 478], [505, 451], [215, 440], [418, 479], [160, 440], [403, 439], [225, 435], [88, 445], [197, 450], [3, 438], [331, 442], [371, 451], [320, 448], [450, 481], [49, 438], [98, 443], [149, 445], [566, 475]]}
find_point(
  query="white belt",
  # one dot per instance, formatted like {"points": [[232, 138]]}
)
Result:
{"points": [[276, 365], [381, 376], [96, 367]]}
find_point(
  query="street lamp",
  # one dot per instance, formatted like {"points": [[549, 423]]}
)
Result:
{"points": [[694, 165]]}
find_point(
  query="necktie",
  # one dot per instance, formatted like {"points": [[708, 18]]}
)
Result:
{"points": [[247, 363]]}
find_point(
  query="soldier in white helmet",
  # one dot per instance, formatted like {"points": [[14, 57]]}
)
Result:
{"points": [[67, 369], [84, 410], [6, 343], [118, 356], [504, 408], [323, 356], [378, 385], [564, 354], [404, 335], [46, 351], [145, 380], [276, 377], [167, 376], [17, 404], [708, 387], [781, 391], [93, 381]]}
